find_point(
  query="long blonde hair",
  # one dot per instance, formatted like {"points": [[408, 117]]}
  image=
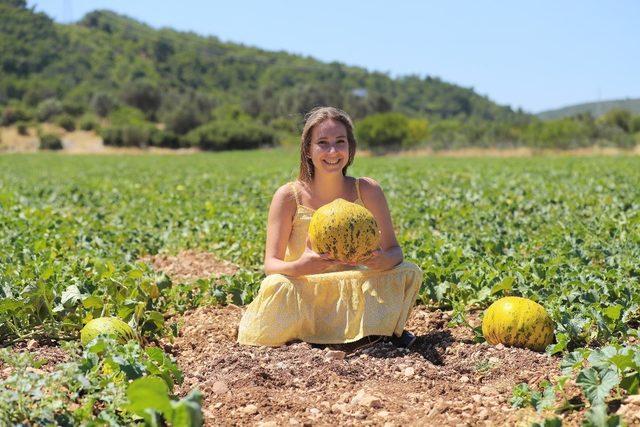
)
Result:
{"points": [[313, 118]]}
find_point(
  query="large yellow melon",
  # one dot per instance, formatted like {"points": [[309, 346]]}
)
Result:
{"points": [[345, 231], [518, 322]]}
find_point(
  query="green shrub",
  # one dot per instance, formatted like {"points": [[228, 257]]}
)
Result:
{"points": [[127, 116], [48, 108], [66, 121], [73, 107], [231, 135], [418, 132], [165, 139], [11, 115], [184, 119], [635, 123], [23, 128], [88, 122], [127, 135], [384, 131], [619, 118], [103, 103], [144, 95], [49, 141]]}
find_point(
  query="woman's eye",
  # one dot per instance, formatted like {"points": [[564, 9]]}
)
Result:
{"points": [[342, 141]]}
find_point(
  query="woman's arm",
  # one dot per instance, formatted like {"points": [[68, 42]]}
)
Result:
{"points": [[279, 223], [390, 253]]}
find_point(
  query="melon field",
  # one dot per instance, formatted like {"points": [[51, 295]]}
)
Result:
{"points": [[173, 245]]}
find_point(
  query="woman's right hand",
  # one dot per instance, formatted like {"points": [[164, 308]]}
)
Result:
{"points": [[311, 262]]}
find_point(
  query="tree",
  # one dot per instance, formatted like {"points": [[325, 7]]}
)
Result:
{"points": [[143, 95], [384, 131]]}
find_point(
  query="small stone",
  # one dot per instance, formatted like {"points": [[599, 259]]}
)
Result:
{"points": [[267, 424], [314, 411], [494, 360], [219, 387], [334, 355], [488, 390], [499, 346], [250, 409], [483, 414], [382, 414], [339, 408], [360, 415], [31, 344], [409, 372], [464, 379], [476, 398], [293, 422], [362, 398]]}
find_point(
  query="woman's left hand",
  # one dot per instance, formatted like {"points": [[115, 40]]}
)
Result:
{"points": [[377, 261]]}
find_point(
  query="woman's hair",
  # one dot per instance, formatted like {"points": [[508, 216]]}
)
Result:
{"points": [[313, 118]]}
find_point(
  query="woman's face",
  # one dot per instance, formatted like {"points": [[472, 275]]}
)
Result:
{"points": [[329, 148]]}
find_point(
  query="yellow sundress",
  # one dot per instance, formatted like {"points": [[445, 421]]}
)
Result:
{"points": [[328, 308]]}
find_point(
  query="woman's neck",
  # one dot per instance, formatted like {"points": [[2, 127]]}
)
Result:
{"points": [[328, 187]]}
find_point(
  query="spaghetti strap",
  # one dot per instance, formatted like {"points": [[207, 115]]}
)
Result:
{"points": [[358, 188], [295, 193]]}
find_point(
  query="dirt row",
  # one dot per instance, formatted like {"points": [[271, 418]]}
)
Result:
{"points": [[444, 378]]}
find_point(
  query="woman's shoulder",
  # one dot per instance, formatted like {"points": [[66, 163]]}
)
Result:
{"points": [[368, 185], [285, 195]]}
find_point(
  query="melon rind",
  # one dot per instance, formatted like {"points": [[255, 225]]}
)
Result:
{"points": [[345, 231]]}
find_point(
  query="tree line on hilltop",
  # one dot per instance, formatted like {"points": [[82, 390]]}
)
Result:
{"points": [[140, 86]]}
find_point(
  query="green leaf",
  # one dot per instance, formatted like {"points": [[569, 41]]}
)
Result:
{"points": [[546, 400], [188, 412], [595, 385], [70, 296], [92, 302], [47, 272], [504, 285], [149, 393], [562, 340], [135, 274], [597, 417], [549, 422], [613, 312], [9, 304], [623, 361]]}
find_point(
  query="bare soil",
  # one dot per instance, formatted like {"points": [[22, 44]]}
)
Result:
{"points": [[445, 378], [190, 265]]}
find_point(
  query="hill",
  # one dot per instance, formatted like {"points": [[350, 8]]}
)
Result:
{"points": [[596, 109], [107, 55]]}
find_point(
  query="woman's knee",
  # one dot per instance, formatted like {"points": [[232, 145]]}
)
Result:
{"points": [[275, 282]]}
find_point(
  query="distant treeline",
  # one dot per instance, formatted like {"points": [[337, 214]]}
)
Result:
{"points": [[138, 86]]}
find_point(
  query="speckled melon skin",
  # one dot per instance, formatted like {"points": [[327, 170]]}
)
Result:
{"points": [[345, 231], [518, 322], [107, 325]]}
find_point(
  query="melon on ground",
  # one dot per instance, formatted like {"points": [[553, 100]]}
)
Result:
{"points": [[112, 326], [518, 322], [345, 231]]}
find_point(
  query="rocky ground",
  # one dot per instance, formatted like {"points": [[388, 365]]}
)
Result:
{"points": [[444, 378]]}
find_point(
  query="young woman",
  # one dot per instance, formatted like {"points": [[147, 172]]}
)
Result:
{"points": [[308, 296]]}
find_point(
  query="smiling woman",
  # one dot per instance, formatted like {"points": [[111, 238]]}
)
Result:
{"points": [[309, 296]]}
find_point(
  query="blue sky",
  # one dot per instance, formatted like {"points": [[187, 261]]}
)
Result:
{"points": [[536, 55]]}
